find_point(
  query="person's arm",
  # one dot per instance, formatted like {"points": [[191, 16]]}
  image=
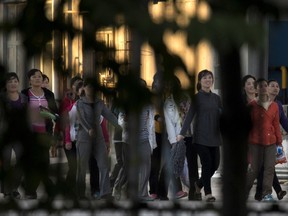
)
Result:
{"points": [[187, 121], [151, 129], [169, 122], [82, 120], [276, 125], [105, 134], [283, 118], [109, 116]]}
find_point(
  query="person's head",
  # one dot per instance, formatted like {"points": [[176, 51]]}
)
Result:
{"points": [[45, 83], [35, 77], [11, 82], [261, 86], [80, 89], [273, 87], [248, 84], [205, 80], [156, 84], [90, 87], [73, 83]]}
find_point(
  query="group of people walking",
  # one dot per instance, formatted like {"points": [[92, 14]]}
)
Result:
{"points": [[178, 132], [265, 137]]}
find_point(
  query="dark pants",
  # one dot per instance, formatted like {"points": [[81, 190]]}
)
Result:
{"points": [[11, 176], [72, 169], [276, 184], [155, 166], [122, 178], [210, 158], [94, 175], [191, 155], [119, 162], [37, 161]]}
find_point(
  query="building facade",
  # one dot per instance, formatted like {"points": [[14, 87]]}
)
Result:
{"points": [[77, 60]]}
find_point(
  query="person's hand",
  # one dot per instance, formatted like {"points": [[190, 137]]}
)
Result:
{"points": [[108, 147], [279, 150], [92, 133], [68, 145], [179, 137]]}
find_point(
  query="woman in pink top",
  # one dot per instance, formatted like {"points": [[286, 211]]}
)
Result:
{"points": [[37, 153]]}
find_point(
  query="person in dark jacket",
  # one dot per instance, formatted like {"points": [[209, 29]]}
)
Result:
{"points": [[42, 109], [206, 113], [15, 134]]}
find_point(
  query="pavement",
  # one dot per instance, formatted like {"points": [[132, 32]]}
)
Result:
{"points": [[63, 206]]}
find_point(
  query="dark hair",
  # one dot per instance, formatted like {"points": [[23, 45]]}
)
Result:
{"points": [[75, 79], [201, 74], [258, 81], [91, 81], [32, 72], [245, 78], [143, 82], [45, 77], [272, 80], [79, 85], [11, 75]]}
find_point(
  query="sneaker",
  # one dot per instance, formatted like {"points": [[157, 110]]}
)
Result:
{"points": [[281, 194], [181, 194], [268, 198], [154, 196], [96, 195], [146, 199], [210, 198]]}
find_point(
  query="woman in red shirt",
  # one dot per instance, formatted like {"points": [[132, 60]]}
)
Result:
{"points": [[264, 136]]}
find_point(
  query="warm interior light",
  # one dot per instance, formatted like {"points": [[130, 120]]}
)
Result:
{"points": [[203, 11]]}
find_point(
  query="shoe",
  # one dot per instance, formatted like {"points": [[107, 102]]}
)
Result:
{"points": [[195, 197], [163, 198], [31, 196], [154, 196], [268, 198], [210, 198], [146, 199], [181, 194], [96, 195], [107, 197], [281, 194], [117, 194], [258, 196], [12, 195]]}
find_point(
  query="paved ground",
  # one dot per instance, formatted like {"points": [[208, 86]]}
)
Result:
{"points": [[61, 206]]}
